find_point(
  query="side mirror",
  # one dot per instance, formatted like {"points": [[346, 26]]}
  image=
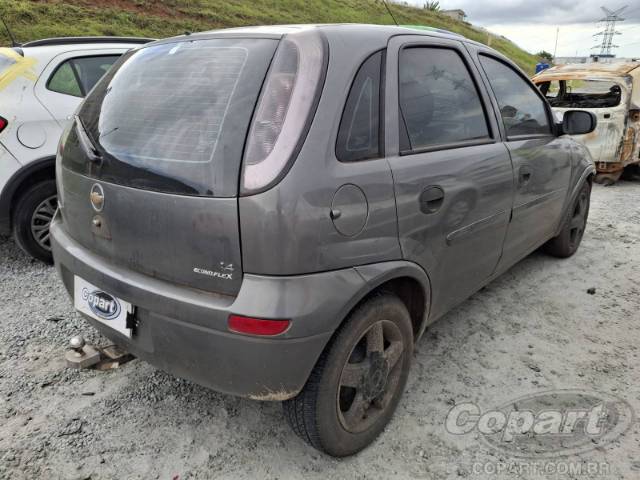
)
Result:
{"points": [[578, 122]]}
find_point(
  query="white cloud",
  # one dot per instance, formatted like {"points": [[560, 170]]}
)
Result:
{"points": [[532, 24]]}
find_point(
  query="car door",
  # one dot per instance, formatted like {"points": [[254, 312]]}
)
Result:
{"points": [[541, 159], [604, 143], [452, 175], [67, 79]]}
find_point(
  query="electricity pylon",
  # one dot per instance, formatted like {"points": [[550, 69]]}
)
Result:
{"points": [[609, 31]]}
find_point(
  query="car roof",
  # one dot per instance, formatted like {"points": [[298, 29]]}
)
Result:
{"points": [[84, 40], [596, 69], [329, 28], [50, 47]]}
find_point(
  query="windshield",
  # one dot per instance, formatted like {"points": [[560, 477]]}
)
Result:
{"points": [[173, 117], [582, 93]]}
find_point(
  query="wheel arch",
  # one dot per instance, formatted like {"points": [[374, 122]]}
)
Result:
{"points": [[30, 174], [587, 175], [406, 280]]}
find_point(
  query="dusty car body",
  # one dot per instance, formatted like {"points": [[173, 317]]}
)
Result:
{"points": [[612, 92], [368, 179]]}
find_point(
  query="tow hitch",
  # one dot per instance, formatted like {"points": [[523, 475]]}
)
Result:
{"points": [[81, 355]]}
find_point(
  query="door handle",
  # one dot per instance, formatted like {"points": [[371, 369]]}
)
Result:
{"points": [[524, 176], [607, 115], [431, 200]]}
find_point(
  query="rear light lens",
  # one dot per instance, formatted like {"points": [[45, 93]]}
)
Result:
{"points": [[3, 124], [257, 326], [285, 106]]}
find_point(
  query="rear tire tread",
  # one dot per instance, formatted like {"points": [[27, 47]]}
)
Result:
{"points": [[301, 411], [560, 246]]}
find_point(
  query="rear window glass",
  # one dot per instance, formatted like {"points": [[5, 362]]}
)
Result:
{"points": [[173, 117], [582, 93], [359, 133], [78, 76], [64, 81]]}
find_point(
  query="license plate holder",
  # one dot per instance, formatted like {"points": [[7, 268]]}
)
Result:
{"points": [[102, 306]]}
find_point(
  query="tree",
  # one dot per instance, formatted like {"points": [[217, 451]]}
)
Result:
{"points": [[432, 6], [545, 55]]}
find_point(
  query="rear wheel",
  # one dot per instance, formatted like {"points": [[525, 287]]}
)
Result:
{"points": [[32, 216], [355, 387], [568, 241]]}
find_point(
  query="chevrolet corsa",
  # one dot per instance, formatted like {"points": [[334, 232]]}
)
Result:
{"points": [[279, 212]]}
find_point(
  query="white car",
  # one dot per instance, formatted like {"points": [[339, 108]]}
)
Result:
{"points": [[41, 85]]}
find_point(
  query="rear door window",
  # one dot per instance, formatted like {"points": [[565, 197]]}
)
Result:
{"points": [[439, 102], [523, 111], [359, 136], [173, 117], [77, 76]]}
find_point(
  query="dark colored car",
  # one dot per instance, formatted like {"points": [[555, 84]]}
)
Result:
{"points": [[279, 212]]}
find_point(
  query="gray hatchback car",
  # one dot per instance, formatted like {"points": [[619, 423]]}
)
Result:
{"points": [[279, 212]]}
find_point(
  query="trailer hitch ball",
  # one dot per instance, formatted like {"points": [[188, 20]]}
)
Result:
{"points": [[77, 343], [81, 355]]}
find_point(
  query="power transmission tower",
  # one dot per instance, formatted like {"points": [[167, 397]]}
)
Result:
{"points": [[609, 31]]}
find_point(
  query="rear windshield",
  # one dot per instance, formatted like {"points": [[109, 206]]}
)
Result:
{"points": [[173, 117], [582, 93]]}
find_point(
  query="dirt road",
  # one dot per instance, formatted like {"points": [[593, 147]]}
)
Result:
{"points": [[534, 329]]}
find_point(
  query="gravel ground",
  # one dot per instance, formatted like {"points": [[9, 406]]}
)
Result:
{"points": [[534, 329]]}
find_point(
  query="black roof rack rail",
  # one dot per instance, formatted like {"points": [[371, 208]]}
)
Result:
{"points": [[77, 40]]}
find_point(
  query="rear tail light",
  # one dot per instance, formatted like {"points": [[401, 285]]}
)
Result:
{"points": [[257, 326], [284, 109], [3, 124]]}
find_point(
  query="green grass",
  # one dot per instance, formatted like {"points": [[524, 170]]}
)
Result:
{"points": [[31, 20]]}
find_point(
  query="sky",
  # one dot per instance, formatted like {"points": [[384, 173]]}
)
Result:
{"points": [[532, 24]]}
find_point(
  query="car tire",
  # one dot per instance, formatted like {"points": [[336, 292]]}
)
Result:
{"points": [[357, 383], [32, 215], [575, 222]]}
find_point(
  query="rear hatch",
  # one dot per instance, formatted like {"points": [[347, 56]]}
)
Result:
{"points": [[149, 172]]}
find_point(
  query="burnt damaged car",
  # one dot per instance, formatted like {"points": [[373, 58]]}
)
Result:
{"points": [[612, 92]]}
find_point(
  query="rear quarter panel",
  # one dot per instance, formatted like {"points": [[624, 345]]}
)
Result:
{"points": [[288, 229], [21, 109]]}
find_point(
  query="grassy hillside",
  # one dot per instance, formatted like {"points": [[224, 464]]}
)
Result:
{"points": [[31, 20]]}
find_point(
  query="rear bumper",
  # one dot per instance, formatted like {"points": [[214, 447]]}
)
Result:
{"points": [[184, 331]]}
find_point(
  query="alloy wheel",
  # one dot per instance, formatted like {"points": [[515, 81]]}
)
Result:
{"points": [[41, 220], [370, 377], [579, 219]]}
